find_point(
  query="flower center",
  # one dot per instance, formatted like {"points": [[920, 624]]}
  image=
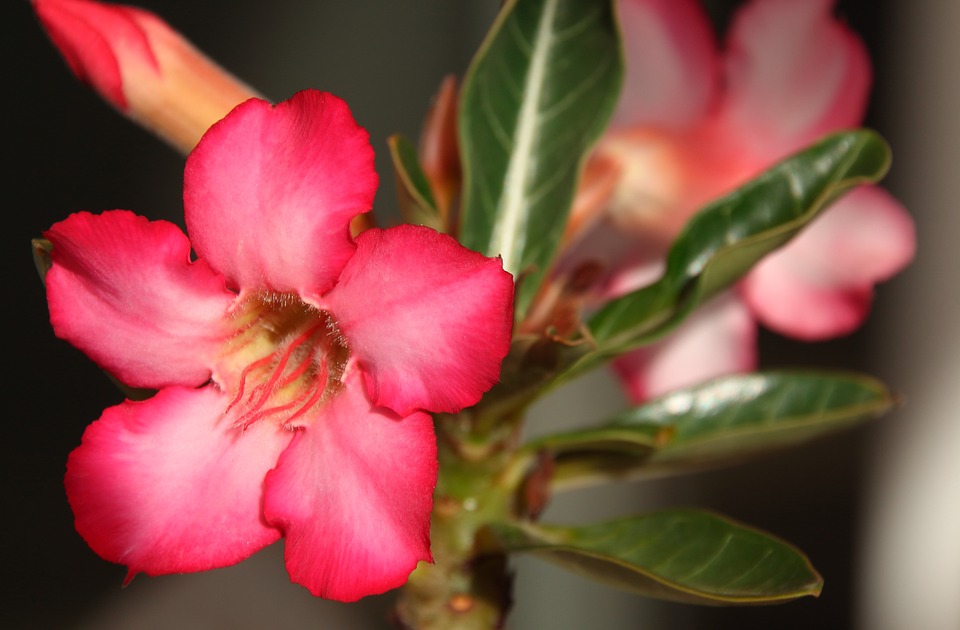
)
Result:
{"points": [[285, 360]]}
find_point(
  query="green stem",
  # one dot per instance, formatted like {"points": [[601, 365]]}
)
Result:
{"points": [[468, 585]]}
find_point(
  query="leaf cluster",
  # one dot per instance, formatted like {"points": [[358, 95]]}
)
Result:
{"points": [[535, 99]]}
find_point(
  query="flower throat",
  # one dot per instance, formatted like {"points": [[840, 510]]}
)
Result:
{"points": [[285, 360]]}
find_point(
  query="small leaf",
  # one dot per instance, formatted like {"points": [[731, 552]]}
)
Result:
{"points": [[729, 236], [680, 555], [42, 250], [413, 190], [720, 422], [535, 98]]}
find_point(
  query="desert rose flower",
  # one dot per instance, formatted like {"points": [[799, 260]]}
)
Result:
{"points": [[295, 365], [695, 123], [142, 67]]}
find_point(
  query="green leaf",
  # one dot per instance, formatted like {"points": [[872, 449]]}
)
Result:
{"points": [[719, 422], [413, 189], [721, 243], [740, 416], [680, 555], [535, 98]]}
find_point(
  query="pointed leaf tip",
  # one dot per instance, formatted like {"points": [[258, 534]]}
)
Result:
{"points": [[720, 422], [686, 556]]}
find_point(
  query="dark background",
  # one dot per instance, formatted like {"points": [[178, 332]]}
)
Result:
{"points": [[70, 151]]}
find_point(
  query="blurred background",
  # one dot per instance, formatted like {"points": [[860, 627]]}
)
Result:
{"points": [[877, 509]]}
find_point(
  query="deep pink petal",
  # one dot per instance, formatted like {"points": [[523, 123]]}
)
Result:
{"points": [[168, 485], [427, 319], [353, 496], [793, 74], [94, 39], [672, 65], [820, 284], [718, 339], [123, 290], [269, 192]]}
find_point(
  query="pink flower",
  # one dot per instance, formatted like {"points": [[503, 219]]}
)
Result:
{"points": [[295, 365], [694, 124], [142, 67]]}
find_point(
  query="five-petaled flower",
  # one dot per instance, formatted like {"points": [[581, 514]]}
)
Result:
{"points": [[693, 124], [295, 364]]}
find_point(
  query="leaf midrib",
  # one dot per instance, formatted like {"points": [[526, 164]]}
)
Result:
{"points": [[510, 231]]}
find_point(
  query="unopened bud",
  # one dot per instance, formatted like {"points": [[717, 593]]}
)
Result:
{"points": [[142, 67]]}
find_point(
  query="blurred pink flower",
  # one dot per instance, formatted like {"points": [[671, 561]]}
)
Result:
{"points": [[295, 365], [693, 124]]}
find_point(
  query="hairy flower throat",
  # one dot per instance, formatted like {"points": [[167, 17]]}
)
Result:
{"points": [[285, 360]]}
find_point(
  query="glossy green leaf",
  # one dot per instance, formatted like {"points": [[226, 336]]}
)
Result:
{"points": [[738, 416], [681, 555], [535, 98], [413, 189], [720, 422], [721, 243]]}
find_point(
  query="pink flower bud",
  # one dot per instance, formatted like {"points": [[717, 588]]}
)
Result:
{"points": [[142, 67]]}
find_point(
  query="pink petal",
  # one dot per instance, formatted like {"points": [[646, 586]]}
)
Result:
{"points": [[169, 485], [794, 73], [269, 192], [717, 339], [123, 290], [353, 496], [94, 39], [820, 284], [427, 319], [672, 66]]}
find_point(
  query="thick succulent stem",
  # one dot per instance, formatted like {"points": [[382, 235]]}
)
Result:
{"points": [[469, 585]]}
